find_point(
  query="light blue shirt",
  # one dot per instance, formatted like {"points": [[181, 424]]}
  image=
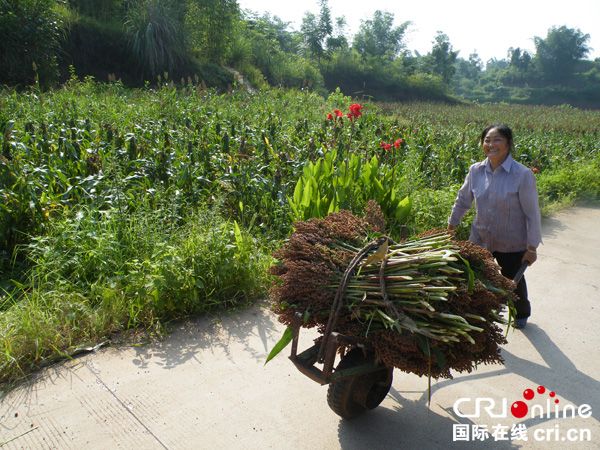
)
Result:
{"points": [[507, 215]]}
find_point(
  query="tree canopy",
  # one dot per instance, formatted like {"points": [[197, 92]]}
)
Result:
{"points": [[559, 51], [379, 37], [139, 41]]}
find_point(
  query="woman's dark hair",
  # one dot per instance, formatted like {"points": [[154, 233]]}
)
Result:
{"points": [[503, 129]]}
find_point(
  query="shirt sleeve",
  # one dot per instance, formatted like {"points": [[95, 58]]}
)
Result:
{"points": [[528, 197], [463, 201]]}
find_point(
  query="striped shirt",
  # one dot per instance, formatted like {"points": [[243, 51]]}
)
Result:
{"points": [[507, 215]]}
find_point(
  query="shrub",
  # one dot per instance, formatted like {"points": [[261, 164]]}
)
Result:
{"points": [[177, 269], [92, 275], [156, 35], [31, 34], [99, 49], [572, 181]]}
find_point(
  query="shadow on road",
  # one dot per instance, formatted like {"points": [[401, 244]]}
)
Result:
{"points": [[187, 341], [561, 375], [410, 424], [215, 333]]}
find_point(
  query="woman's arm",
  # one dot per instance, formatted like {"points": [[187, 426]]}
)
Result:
{"points": [[463, 202], [528, 198]]}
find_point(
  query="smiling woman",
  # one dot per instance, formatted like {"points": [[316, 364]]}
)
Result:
{"points": [[507, 220], [496, 145]]}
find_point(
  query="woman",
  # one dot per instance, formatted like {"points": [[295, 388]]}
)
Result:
{"points": [[507, 220]]}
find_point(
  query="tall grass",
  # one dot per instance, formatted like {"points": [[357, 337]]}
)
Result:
{"points": [[99, 272]]}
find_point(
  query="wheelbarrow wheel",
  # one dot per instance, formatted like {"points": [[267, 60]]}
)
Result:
{"points": [[352, 396]]}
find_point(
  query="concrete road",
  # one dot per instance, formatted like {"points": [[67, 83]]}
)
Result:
{"points": [[206, 385]]}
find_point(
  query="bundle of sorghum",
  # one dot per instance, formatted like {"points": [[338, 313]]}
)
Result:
{"points": [[426, 306]]}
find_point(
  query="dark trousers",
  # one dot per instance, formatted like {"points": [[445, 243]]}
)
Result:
{"points": [[510, 264]]}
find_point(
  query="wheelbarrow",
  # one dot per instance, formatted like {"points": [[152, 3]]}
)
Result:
{"points": [[359, 382]]}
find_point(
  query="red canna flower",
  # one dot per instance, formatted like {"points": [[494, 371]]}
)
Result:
{"points": [[398, 142], [329, 116], [385, 145], [338, 113], [355, 110]]}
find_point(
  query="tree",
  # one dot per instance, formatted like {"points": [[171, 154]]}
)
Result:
{"points": [[312, 35], [558, 54], [272, 52], [105, 10], [379, 37], [325, 25], [276, 30], [317, 30], [520, 60], [156, 34], [475, 66], [495, 65], [31, 34], [337, 40], [469, 69], [442, 58], [210, 27]]}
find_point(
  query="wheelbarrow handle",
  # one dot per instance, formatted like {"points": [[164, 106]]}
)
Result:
{"points": [[520, 272]]}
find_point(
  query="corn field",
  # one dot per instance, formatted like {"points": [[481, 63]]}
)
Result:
{"points": [[168, 201]]}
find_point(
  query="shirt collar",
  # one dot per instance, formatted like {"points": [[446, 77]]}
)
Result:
{"points": [[506, 164]]}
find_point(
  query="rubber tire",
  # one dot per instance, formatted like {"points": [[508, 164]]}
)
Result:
{"points": [[353, 396]]}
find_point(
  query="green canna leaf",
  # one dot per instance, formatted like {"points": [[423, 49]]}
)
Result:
{"points": [[306, 195], [287, 337], [403, 209], [298, 191]]}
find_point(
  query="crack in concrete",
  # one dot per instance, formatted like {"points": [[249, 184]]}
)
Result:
{"points": [[129, 410]]}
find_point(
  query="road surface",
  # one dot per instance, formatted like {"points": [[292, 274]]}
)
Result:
{"points": [[206, 385]]}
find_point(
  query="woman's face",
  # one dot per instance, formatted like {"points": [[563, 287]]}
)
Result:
{"points": [[495, 147]]}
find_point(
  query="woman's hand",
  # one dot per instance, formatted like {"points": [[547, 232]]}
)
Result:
{"points": [[530, 256]]}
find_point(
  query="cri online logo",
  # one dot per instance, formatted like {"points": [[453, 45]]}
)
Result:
{"points": [[519, 408]]}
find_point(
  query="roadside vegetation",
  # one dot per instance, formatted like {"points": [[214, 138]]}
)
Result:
{"points": [[125, 209]]}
